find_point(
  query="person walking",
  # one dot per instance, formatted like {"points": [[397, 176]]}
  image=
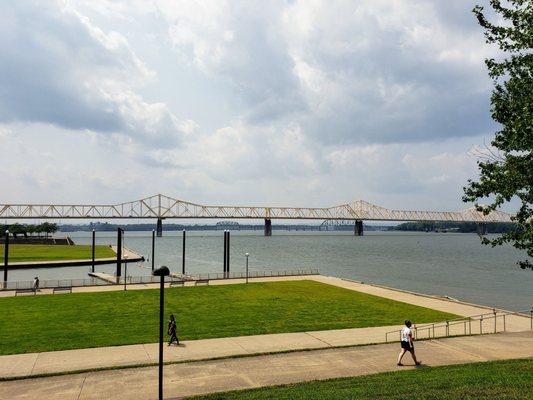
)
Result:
{"points": [[172, 328], [36, 284], [406, 341]]}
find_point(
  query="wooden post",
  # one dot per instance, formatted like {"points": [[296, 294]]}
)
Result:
{"points": [[153, 249], [92, 249], [119, 253], [228, 255], [183, 254], [6, 258], [225, 250]]}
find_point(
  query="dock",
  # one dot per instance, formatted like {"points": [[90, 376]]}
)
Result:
{"points": [[128, 256]]}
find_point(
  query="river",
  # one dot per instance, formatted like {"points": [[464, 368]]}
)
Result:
{"points": [[452, 264]]}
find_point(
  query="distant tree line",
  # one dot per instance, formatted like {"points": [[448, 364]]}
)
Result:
{"points": [[233, 225], [46, 229], [462, 227], [107, 227]]}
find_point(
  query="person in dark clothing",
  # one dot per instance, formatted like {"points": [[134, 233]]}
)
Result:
{"points": [[36, 284], [172, 328]]}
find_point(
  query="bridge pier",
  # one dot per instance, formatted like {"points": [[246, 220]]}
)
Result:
{"points": [[268, 227], [482, 228], [358, 228], [159, 227]]}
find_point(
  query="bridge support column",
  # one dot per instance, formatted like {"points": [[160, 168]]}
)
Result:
{"points": [[358, 228], [482, 228], [159, 227], [268, 227]]}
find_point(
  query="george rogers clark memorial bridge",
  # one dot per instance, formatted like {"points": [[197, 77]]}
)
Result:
{"points": [[162, 207]]}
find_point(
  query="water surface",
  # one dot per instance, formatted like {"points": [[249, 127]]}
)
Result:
{"points": [[451, 264]]}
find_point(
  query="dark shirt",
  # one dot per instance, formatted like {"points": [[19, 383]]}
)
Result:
{"points": [[172, 328]]}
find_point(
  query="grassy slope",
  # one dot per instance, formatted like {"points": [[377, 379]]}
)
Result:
{"points": [[43, 323], [41, 252], [490, 380]]}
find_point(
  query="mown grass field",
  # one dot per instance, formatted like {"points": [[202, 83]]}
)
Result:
{"points": [[43, 252], [80, 320], [481, 381]]}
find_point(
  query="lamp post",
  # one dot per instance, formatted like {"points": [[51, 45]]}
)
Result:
{"points": [[247, 255], [161, 272]]}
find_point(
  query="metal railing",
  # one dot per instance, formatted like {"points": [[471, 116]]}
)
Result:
{"points": [[53, 283], [473, 325], [252, 274], [143, 279]]}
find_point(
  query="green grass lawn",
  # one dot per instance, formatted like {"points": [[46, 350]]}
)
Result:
{"points": [[79, 320], [509, 379], [44, 252]]}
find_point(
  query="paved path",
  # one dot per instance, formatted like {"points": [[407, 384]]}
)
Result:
{"points": [[203, 377], [83, 359]]}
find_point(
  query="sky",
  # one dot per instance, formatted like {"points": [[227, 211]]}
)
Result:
{"points": [[279, 103]]}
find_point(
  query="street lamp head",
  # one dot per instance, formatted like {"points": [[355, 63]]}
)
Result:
{"points": [[161, 271], [247, 254]]}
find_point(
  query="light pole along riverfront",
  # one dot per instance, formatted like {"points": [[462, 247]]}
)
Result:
{"points": [[162, 207], [161, 272]]}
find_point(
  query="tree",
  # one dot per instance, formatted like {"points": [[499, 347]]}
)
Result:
{"points": [[17, 229], [506, 172], [48, 228]]}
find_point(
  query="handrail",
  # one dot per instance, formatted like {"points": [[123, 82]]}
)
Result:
{"points": [[457, 321], [140, 279]]}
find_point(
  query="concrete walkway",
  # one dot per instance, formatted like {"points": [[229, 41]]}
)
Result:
{"points": [[203, 377], [24, 365]]}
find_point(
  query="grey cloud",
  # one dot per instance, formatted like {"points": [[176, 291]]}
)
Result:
{"points": [[243, 44], [58, 68], [429, 50], [440, 98]]}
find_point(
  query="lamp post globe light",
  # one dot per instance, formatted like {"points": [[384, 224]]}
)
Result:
{"points": [[161, 272]]}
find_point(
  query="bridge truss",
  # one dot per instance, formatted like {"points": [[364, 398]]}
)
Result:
{"points": [[162, 207]]}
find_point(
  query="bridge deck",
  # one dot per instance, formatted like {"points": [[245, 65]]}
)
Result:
{"points": [[161, 207]]}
